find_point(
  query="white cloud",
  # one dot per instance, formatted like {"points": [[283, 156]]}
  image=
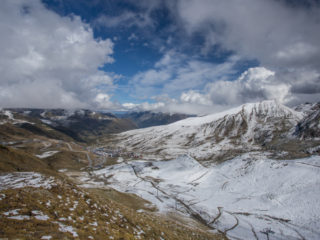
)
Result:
{"points": [[195, 98], [267, 30], [145, 106], [255, 84], [176, 72], [47, 60], [103, 101]]}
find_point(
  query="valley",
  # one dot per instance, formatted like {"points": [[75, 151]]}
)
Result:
{"points": [[248, 173]]}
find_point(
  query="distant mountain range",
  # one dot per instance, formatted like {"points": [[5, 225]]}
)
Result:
{"points": [[82, 125], [150, 119]]}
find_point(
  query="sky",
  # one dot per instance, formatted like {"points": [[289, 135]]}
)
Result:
{"points": [[186, 56]]}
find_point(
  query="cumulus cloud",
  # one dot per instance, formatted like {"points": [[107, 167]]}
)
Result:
{"points": [[50, 61], [194, 97], [253, 85], [176, 72]]}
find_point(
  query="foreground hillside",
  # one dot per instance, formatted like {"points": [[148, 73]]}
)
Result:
{"points": [[36, 206]]}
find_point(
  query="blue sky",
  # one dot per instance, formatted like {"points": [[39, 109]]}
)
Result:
{"points": [[192, 56]]}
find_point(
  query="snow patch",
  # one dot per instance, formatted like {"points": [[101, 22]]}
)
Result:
{"points": [[20, 217], [25, 179], [40, 215], [65, 228], [12, 212], [46, 237], [47, 154]]}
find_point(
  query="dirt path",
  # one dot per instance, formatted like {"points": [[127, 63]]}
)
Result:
{"points": [[218, 216]]}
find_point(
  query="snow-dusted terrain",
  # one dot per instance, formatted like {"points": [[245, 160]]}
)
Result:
{"points": [[241, 129], [225, 170], [25, 179], [7, 116], [240, 189], [248, 197]]}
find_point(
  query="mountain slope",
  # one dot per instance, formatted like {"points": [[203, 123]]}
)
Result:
{"points": [[213, 137], [248, 197], [80, 125], [309, 127]]}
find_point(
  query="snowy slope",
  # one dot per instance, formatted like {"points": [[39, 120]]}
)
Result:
{"points": [[249, 197], [309, 127], [7, 116], [241, 129], [306, 107]]}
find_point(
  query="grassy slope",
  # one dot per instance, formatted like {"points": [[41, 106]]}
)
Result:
{"points": [[12, 160]]}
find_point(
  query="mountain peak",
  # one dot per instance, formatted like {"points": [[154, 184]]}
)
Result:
{"points": [[268, 108], [271, 108]]}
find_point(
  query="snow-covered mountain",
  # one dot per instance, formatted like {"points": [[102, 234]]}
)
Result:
{"points": [[260, 181], [222, 135], [309, 127]]}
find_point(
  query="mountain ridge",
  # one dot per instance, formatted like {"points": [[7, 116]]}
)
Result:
{"points": [[249, 127]]}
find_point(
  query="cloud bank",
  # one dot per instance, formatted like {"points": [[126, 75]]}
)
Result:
{"points": [[282, 37], [50, 61]]}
